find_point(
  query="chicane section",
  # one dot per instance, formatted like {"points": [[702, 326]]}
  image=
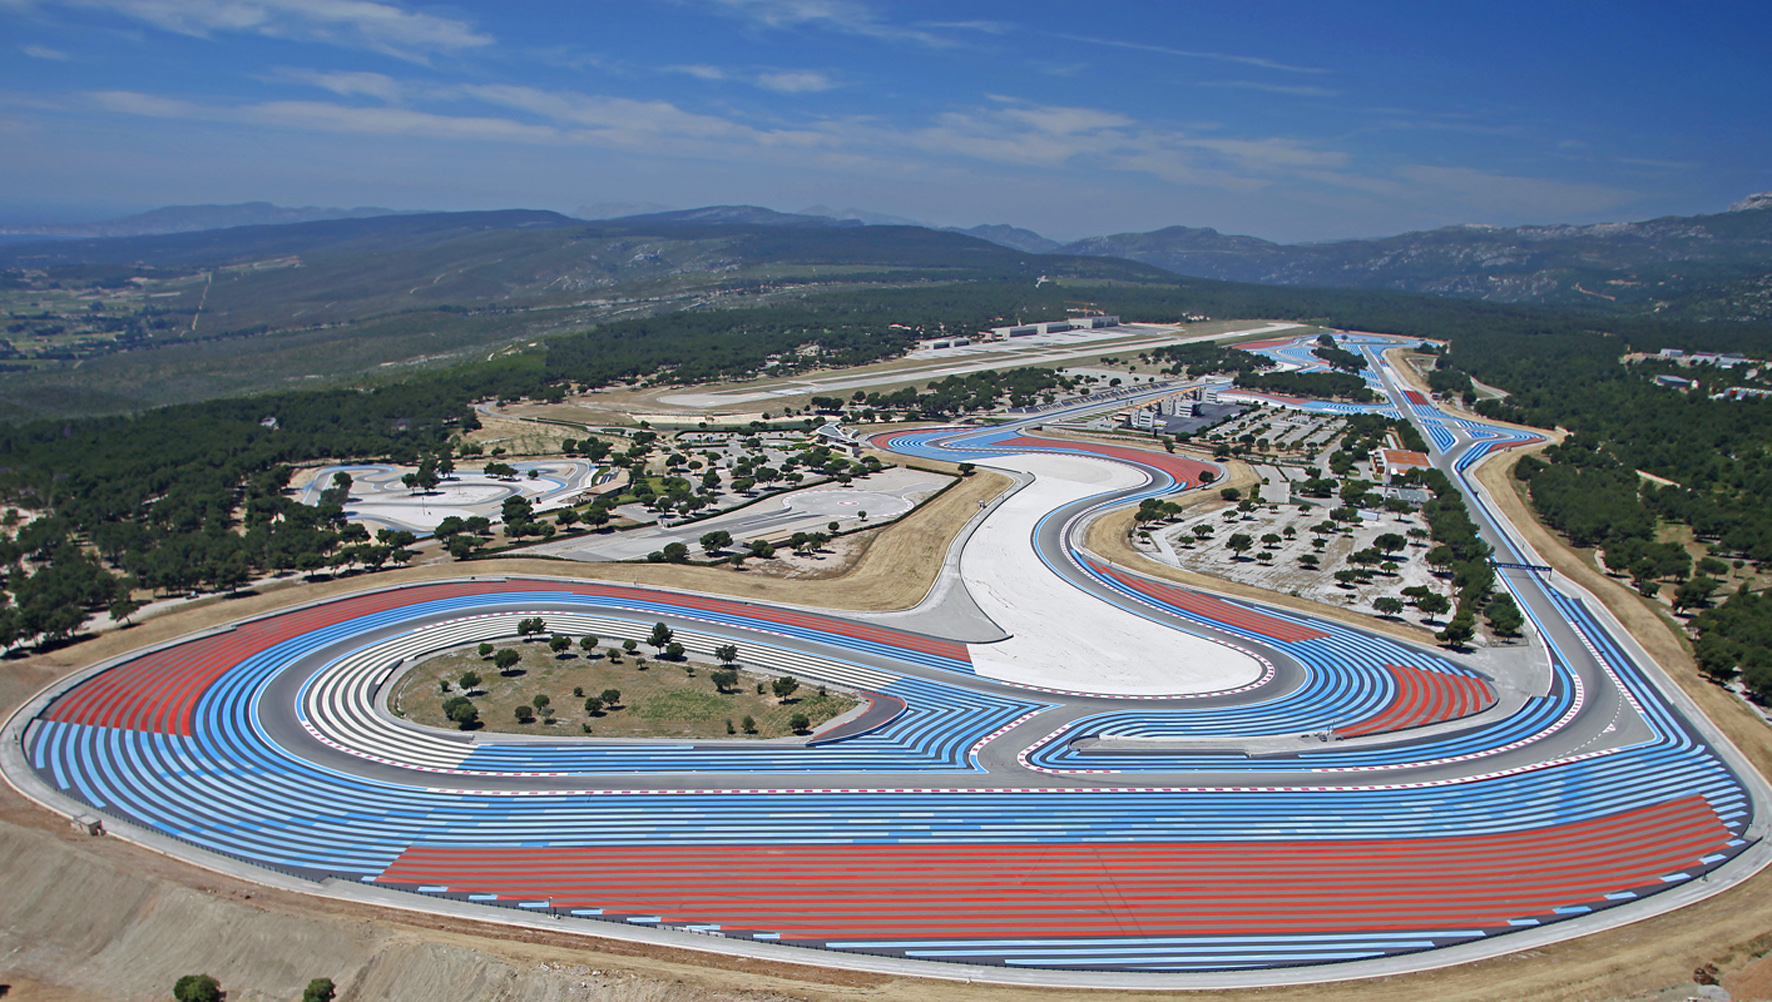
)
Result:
{"points": [[986, 824]]}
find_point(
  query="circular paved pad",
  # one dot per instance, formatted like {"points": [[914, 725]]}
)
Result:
{"points": [[848, 504]]}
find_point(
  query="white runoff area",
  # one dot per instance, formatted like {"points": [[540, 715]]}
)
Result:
{"points": [[1062, 638]]}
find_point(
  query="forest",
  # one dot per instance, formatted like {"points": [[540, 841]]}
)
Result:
{"points": [[191, 495]]}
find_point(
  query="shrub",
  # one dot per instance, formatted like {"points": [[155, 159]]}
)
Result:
{"points": [[197, 988]]}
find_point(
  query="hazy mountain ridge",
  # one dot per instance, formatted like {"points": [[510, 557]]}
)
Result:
{"points": [[194, 218], [1708, 267]]}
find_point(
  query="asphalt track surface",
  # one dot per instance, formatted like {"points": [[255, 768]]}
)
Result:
{"points": [[1359, 806]]}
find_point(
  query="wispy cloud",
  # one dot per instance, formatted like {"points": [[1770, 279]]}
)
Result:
{"points": [[368, 24], [779, 81], [1219, 57], [1062, 141], [700, 72], [44, 52], [348, 84], [847, 17], [1295, 90], [795, 82]]}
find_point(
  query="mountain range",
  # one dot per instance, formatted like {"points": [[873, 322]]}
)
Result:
{"points": [[194, 218], [1706, 267]]}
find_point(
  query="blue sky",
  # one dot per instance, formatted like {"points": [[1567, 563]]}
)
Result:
{"points": [[1292, 121]]}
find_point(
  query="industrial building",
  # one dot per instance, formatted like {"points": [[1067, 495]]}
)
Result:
{"points": [[1390, 462], [1056, 326]]}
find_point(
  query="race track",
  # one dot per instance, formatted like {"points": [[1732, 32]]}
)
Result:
{"points": [[1145, 784]]}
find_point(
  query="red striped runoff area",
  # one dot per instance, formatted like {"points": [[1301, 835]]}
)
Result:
{"points": [[1179, 467], [821, 893], [1425, 697], [158, 692]]}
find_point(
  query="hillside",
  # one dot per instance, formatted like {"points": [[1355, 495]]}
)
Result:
{"points": [[103, 325], [1709, 267]]}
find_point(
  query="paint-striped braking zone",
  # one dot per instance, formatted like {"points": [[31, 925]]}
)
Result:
{"points": [[985, 824]]}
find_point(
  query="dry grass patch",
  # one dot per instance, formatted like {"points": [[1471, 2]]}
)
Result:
{"points": [[657, 699]]}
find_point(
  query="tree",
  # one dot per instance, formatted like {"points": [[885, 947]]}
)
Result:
{"points": [[1270, 540], [594, 706], [1504, 616], [524, 713], [1387, 605], [675, 553], [1695, 592], [611, 697], [469, 680], [532, 625], [1240, 543], [762, 549], [124, 608], [1390, 542], [541, 701], [748, 725], [558, 643], [784, 687], [319, 990], [726, 653], [661, 635], [1202, 531], [486, 650], [1459, 630], [197, 988], [462, 712], [714, 542], [1434, 604], [588, 645], [724, 681], [799, 723], [506, 659]]}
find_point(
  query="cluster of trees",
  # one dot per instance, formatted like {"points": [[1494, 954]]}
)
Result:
{"points": [[1249, 368], [724, 344], [1457, 550], [187, 495], [1204, 358], [960, 394], [1331, 385], [1735, 638], [1337, 356]]}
